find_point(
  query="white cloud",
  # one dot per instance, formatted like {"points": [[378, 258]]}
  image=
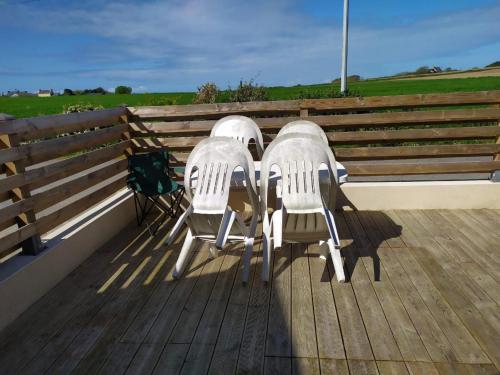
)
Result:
{"points": [[184, 43]]}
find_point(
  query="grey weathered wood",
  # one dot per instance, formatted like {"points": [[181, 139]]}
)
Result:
{"points": [[303, 324], [330, 344], [43, 126], [279, 334]]}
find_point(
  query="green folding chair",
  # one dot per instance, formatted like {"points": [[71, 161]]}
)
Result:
{"points": [[150, 177]]}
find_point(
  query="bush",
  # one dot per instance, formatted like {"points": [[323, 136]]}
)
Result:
{"points": [[247, 92], [207, 93], [123, 90], [422, 70], [81, 107], [68, 92]]}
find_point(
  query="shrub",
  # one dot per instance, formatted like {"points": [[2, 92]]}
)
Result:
{"points": [[81, 107], [207, 93], [247, 92], [422, 70], [123, 90], [68, 92]]}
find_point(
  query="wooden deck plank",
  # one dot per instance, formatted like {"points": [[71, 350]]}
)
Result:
{"points": [[481, 248], [356, 341], [420, 225], [464, 345], [434, 340], [391, 368], [279, 331], [466, 249], [278, 366], [227, 348], [187, 324], [111, 321], [333, 366], [106, 349], [304, 342], [305, 366], [381, 338], [421, 368], [58, 306], [391, 231], [330, 344], [407, 338], [436, 301], [374, 233], [203, 344], [171, 359], [360, 367], [251, 355], [107, 293], [471, 317]]}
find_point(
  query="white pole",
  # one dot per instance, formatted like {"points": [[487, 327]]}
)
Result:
{"points": [[343, 77]]}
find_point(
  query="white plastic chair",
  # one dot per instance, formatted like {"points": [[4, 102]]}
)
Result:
{"points": [[241, 128], [209, 216], [304, 215], [303, 127]]}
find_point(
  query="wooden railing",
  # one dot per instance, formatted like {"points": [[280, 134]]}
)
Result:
{"points": [[55, 167], [363, 131]]}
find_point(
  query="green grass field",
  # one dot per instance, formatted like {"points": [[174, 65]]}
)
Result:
{"points": [[33, 106]]}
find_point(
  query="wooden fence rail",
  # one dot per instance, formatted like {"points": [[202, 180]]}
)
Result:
{"points": [[51, 166], [54, 167]]}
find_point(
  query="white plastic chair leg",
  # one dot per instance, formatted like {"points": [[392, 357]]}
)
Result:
{"points": [[177, 227], [183, 256], [266, 254], [246, 259], [277, 222], [337, 261], [224, 229], [323, 250]]}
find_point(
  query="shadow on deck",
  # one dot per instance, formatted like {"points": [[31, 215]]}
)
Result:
{"points": [[422, 298]]}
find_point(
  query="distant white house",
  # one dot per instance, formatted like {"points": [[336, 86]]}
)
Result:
{"points": [[435, 69], [45, 93]]}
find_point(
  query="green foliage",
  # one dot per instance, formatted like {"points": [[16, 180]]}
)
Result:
{"points": [[492, 65], [152, 99], [81, 107], [247, 92], [207, 93], [123, 90], [325, 93], [351, 78], [30, 106], [422, 70], [68, 92]]}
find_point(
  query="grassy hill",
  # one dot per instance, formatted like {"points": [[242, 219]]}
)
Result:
{"points": [[34, 106]]}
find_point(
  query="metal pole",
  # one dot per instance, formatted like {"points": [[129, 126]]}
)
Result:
{"points": [[343, 77]]}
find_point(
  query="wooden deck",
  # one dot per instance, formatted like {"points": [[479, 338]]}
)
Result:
{"points": [[423, 298]]}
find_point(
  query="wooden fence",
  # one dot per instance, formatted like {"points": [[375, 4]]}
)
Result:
{"points": [[51, 160], [55, 167], [363, 131]]}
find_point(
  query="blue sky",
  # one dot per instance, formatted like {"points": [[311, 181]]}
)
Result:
{"points": [[176, 45]]}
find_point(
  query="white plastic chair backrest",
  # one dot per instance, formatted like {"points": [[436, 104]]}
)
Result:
{"points": [[299, 158], [216, 159], [241, 128], [303, 127]]}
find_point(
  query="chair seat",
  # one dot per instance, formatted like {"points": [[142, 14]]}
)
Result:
{"points": [[305, 227]]}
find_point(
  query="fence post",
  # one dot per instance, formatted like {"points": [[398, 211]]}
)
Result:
{"points": [[32, 245], [495, 176]]}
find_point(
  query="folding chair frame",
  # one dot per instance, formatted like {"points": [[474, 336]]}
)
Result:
{"points": [[142, 210]]}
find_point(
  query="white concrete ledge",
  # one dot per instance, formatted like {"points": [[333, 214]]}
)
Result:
{"points": [[420, 195], [24, 279]]}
